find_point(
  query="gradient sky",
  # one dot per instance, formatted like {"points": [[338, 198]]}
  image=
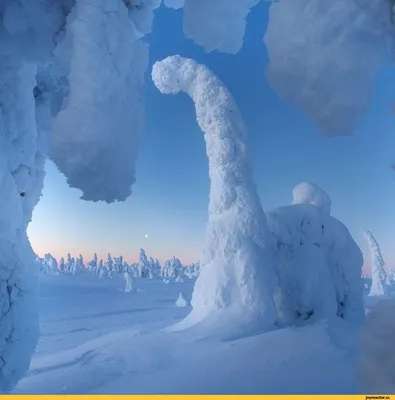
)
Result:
{"points": [[169, 200]]}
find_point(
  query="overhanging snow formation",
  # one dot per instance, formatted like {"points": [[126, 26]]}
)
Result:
{"points": [[215, 24], [237, 273], [97, 131], [315, 49]]}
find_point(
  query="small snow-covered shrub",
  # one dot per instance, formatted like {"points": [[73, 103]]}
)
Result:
{"points": [[181, 301]]}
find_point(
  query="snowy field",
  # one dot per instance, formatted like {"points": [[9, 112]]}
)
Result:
{"points": [[95, 338]]}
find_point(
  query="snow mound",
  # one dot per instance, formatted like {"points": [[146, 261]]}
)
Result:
{"points": [[315, 49], [181, 301], [376, 364], [215, 24], [237, 274], [307, 192], [318, 265]]}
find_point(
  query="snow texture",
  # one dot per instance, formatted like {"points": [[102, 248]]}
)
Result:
{"points": [[317, 262], [237, 274], [379, 275], [215, 24], [97, 131], [315, 49], [307, 192], [376, 364]]}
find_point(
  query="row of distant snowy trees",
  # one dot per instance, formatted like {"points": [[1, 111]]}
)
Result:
{"points": [[147, 267]]}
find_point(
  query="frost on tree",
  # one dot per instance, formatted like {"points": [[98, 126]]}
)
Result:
{"points": [[379, 275], [215, 24], [237, 276], [317, 262], [315, 50]]}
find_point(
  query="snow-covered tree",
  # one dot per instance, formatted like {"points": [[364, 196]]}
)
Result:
{"points": [[237, 271], [165, 269], [379, 275], [118, 264], [62, 265], [128, 282], [317, 262], [100, 269], [181, 301], [92, 265], [144, 265], [109, 265], [53, 266], [81, 263]]}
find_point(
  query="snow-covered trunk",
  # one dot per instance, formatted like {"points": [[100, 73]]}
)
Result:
{"points": [[21, 181], [237, 274], [379, 276]]}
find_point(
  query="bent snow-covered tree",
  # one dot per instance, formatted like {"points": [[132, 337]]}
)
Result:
{"points": [[317, 264], [237, 274], [379, 275]]}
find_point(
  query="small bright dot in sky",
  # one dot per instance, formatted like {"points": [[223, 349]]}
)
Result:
{"points": [[146, 235]]}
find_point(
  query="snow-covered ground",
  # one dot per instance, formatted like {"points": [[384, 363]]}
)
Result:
{"points": [[95, 338]]}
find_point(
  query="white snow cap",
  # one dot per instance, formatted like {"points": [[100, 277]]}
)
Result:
{"points": [[307, 192], [315, 49]]}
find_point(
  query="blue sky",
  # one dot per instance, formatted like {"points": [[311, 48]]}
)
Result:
{"points": [[169, 200]]}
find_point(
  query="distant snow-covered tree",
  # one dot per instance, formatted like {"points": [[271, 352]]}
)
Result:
{"points": [[118, 264], [62, 265], [100, 269], [109, 264], [181, 301], [128, 282], [379, 275], [92, 265], [144, 264]]}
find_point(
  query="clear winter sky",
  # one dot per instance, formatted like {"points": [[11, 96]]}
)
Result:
{"points": [[169, 200]]}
